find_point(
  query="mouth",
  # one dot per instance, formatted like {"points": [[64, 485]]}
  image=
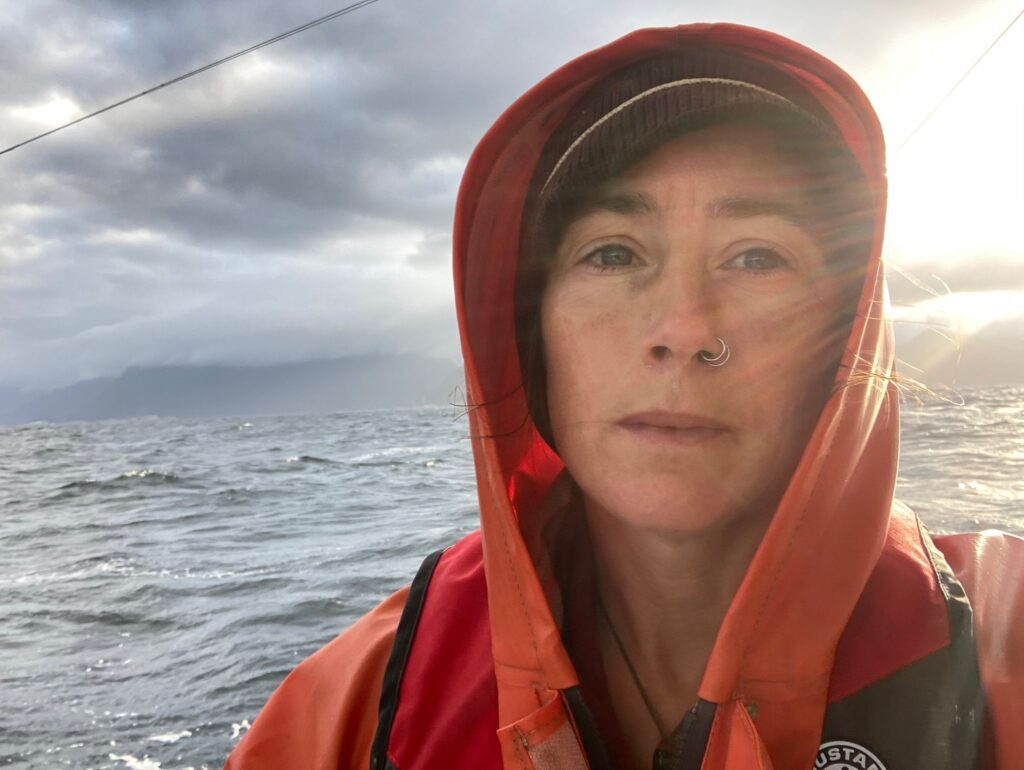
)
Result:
{"points": [[676, 427]]}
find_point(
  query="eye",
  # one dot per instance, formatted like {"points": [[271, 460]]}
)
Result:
{"points": [[612, 256], [759, 259]]}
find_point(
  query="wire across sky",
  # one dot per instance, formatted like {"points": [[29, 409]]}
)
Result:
{"points": [[230, 57]]}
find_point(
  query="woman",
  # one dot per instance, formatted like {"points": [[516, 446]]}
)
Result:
{"points": [[671, 305]]}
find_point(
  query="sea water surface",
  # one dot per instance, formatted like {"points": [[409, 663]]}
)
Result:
{"points": [[159, 577]]}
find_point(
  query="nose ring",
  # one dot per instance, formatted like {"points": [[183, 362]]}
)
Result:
{"points": [[712, 359]]}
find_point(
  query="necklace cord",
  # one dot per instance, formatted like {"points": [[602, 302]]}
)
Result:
{"points": [[632, 669]]}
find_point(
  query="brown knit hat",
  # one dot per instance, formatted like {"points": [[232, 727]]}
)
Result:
{"points": [[631, 112]]}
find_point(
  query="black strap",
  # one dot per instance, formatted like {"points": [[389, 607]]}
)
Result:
{"points": [[594, 746], [687, 744], [685, 748], [396, 661]]}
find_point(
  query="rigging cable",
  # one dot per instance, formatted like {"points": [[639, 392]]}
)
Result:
{"points": [[270, 41], [961, 80]]}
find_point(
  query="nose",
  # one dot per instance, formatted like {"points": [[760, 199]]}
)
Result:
{"points": [[680, 318]]}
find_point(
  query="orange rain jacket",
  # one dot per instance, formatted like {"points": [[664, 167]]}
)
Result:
{"points": [[842, 570]]}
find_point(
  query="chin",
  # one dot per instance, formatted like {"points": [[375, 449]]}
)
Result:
{"points": [[681, 508]]}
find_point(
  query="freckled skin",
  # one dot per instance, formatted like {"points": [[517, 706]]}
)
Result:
{"points": [[635, 296]]}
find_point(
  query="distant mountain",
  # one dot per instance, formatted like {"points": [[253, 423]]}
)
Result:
{"points": [[346, 384], [11, 399], [993, 356]]}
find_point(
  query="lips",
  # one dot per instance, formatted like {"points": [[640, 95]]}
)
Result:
{"points": [[672, 426]]}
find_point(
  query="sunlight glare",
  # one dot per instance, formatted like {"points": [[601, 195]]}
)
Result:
{"points": [[955, 188], [56, 111], [965, 313]]}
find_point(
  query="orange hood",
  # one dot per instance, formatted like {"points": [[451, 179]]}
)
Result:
{"points": [[777, 643]]}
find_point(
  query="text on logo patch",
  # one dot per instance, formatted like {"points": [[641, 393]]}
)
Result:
{"points": [[844, 755]]}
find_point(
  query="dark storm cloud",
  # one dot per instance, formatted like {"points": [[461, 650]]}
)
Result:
{"points": [[347, 124], [279, 206]]}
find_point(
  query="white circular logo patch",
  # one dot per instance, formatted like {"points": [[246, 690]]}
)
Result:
{"points": [[844, 755]]}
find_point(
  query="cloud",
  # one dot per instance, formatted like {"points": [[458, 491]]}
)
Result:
{"points": [[975, 274], [966, 312], [293, 203]]}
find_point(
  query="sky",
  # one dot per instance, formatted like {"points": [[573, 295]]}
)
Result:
{"points": [[296, 203]]}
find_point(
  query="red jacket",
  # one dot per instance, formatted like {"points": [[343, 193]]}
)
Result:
{"points": [[843, 593]]}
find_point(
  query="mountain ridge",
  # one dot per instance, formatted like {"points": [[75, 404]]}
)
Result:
{"points": [[220, 390]]}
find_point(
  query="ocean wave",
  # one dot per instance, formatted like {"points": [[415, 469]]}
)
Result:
{"points": [[398, 455], [146, 476], [312, 459], [379, 464], [142, 619]]}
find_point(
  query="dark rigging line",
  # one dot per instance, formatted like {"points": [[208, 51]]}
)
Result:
{"points": [[204, 68], [961, 80]]}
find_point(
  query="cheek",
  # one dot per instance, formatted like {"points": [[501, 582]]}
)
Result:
{"points": [[789, 364], [557, 349], [565, 361], [802, 331], [579, 352]]}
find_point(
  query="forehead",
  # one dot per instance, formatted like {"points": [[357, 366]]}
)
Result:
{"points": [[722, 160], [734, 170]]}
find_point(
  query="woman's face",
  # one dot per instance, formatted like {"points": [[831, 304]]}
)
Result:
{"points": [[709, 236]]}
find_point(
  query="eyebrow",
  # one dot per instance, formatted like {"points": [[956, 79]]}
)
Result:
{"points": [[728, 207], [628, 203], [739, 207]]}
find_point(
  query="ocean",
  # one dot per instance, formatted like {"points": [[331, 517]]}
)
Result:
{"points": [[160, 576]]}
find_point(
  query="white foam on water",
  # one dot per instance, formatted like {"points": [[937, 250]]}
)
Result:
{"points": [[170, 737], [115, 565], [139, 473], [135, 763], [398, 451], [987, 490], [239, 728], [125, 568]]}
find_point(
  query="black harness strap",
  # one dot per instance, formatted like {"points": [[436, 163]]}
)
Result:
{"points": [[586, 726], [396, 662]]}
